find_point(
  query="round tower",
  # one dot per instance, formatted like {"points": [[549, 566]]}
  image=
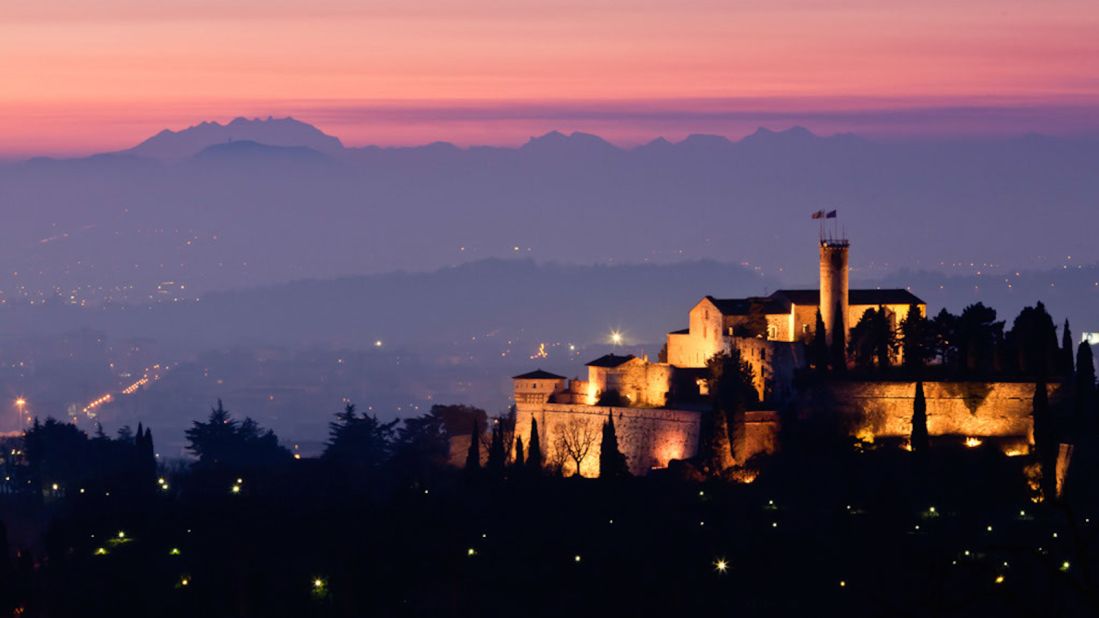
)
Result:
{"points": [[833, 285]]}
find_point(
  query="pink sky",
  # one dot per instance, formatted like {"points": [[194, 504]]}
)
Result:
{"points": [[79, 76]]}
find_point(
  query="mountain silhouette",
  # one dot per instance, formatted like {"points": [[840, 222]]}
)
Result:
{"points": [[255, 151], [249, 212], [170, 144]]}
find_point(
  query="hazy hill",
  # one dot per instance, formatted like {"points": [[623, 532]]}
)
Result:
{"points": [[273, 132], [261, 210]]}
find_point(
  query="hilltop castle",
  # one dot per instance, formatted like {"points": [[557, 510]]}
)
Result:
{"points": [[658, 405]]}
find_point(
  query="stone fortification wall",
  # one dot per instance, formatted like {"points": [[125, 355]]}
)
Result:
{"points": [[649, 438], [977, 409]]}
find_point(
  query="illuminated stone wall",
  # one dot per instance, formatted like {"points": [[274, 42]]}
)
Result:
{"points": [[977, 409], [642, 383], [773, 365], [649, 438], [757, 436]]}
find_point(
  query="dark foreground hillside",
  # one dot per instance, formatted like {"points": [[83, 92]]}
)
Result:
{"points": [[834, 532]]}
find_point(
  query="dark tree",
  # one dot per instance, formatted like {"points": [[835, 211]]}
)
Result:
{"points": [[359, 443], [1067, 351], [754, 323], [1085, 400], [1033, 343], [473, 456], [917, 338], [422, 446], [731, 387], [978, 336], [920, 441], [457, 418], [1045, 440], [519, 458], [496, 455], [717, 448], [145, 457], [945, 335], [838, 360], [612, 463], [612, 398], [534, 452], [818, 347], [872, 340], [56, 452]]}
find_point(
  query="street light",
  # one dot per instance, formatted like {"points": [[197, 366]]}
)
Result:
{"points": [[616, 337], [20, 405]]}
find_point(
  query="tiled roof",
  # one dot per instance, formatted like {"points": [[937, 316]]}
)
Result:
{"points": [[854, 297], [611, 360], [538, 374]]}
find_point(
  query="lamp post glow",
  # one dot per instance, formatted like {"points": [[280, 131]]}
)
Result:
{"points": [[20, 406], [616, 337]]}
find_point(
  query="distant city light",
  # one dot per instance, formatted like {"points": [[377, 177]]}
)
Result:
{"points": [[721, 565], [616, 337]]}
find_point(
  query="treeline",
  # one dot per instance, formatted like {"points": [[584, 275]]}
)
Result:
{"points": [[54, 459], [972, 345]]}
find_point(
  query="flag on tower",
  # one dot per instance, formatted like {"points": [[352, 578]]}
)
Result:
{"points": [[818, 214]]}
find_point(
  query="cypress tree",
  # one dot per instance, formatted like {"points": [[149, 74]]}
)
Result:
{"points": [[148, 458], [818, 348], [920, 441], [839, 351], [1066, 350], [473, 457], [612, 463], [1085, 400], [519, 459], [1045, 442], [718, 453], [534, 450], [496, 455]]}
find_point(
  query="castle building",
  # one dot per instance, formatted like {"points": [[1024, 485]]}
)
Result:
{"points": [[658, 405], [770, 330]]}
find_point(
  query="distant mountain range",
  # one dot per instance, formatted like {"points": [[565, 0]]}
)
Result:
{"points": [[258, 202], [171, 145]]}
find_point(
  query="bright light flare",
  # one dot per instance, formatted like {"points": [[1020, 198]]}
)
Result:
{"points": [[721, 565]]}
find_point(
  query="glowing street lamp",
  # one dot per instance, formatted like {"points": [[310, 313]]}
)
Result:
{"points": [[721, 565], [20, 406], [616, 337]]}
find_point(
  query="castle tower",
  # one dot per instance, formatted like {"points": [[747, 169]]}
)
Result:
{"points": [[833, 284]]}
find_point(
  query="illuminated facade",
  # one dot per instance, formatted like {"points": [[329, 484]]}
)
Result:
{"points": [[658, 406]]}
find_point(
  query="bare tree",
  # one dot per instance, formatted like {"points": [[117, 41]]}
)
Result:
{"points": [[575, 440]]}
